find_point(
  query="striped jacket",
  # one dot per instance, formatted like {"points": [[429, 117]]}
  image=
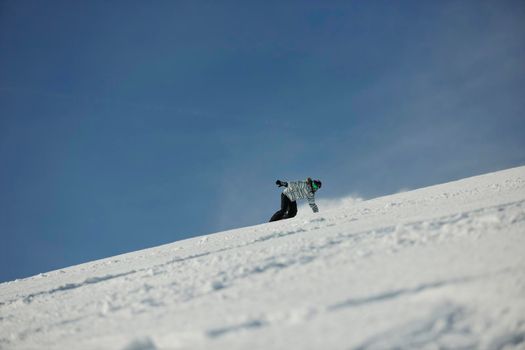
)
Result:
{"points": [[301, 190]]}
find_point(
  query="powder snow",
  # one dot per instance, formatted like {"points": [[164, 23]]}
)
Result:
{"points": [[441, 267]]}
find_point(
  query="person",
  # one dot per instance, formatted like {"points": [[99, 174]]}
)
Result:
{"points": [[293, 191]]}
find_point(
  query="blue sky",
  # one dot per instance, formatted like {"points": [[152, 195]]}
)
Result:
{"points": [[129, 124]]}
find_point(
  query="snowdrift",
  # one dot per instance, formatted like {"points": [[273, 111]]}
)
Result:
{"points": [[435, 268]]}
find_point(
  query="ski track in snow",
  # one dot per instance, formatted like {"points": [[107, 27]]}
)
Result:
{"points": [[408, 233], [384, 262]]}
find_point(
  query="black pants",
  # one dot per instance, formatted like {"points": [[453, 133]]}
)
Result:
{"points": [[288, 209]]}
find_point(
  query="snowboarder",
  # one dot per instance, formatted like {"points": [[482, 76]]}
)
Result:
{"points": [[296, 190]]}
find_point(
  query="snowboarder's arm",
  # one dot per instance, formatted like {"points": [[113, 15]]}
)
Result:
{"points": [[311, 203], [281, 183]]}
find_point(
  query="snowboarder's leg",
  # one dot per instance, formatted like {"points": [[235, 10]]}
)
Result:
{"points": [[292, 210], [277, 216], [285, 202]]}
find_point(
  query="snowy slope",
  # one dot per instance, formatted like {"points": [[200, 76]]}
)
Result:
{"points": [[440, 267]]}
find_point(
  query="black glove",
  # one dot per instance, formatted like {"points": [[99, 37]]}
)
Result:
{"points": [[281, 183]]}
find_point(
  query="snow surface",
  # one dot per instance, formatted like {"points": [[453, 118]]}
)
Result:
{"points": [[441, 267]]}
